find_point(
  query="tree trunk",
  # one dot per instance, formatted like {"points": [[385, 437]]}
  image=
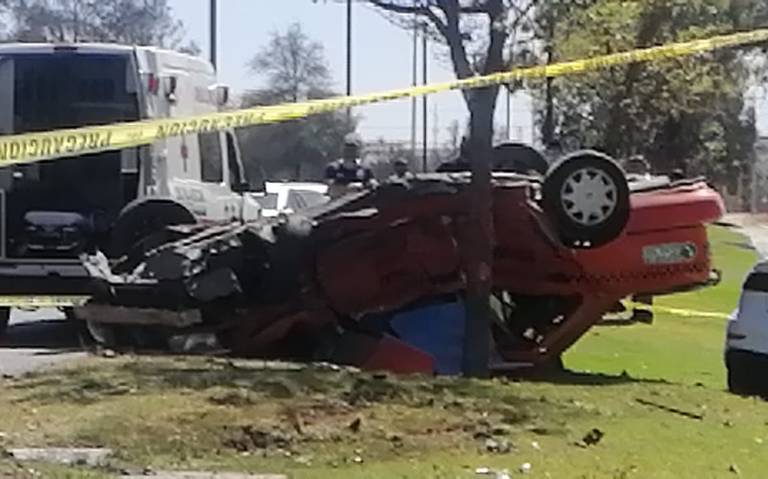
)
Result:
{"points": [[479, 236]]}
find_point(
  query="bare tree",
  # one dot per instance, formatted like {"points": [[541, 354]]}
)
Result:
{"points": [[141, 22], [293, 65], [294, 68], [482, 37]]}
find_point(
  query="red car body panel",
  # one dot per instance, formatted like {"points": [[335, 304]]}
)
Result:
{"points": [[378, 252], [413, 250]]}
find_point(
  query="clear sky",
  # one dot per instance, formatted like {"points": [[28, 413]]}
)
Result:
{"points": [[382, 58]]}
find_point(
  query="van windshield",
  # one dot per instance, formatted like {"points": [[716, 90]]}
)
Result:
{"points": [[65, 90]]}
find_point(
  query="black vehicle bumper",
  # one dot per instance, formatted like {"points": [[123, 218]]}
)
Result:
{"points": [[43, 278], [746, 361]]}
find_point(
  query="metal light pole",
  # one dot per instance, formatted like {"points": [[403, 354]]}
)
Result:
{"points": [[424, 98], [414, 82], [214, 32], [509, 111], [349, 54]]}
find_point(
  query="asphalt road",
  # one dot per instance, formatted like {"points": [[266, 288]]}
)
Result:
{"points": [[37, 340], [755, 227]]}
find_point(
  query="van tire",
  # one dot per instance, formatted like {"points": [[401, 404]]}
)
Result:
{"points": [[141, 220]]}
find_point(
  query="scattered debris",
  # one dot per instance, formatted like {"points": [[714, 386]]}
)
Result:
{"points": [[249, 438], [525, 468], [497, 447], [108, 353], [93, 457], [593, 437], [536, 445], [734, 469], [395, 439], [486, 471], [198, 343], [355, 425], [295, 420], [662, 407], [357, 460]]}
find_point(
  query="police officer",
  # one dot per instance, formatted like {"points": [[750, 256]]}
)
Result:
{"points": [[348, 173], [400, 168]]}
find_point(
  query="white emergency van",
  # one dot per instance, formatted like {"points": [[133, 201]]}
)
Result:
{"points": [[52, 211]]}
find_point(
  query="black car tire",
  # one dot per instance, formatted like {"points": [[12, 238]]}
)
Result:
{"points": [[519, 158], [587, 197], [141, 224], [741, 382]]}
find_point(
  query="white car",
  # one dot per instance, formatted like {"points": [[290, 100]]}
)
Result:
{"points": [[746, 344], [289, 197]]}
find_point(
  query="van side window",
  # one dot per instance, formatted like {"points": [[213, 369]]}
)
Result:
{"points": [[211, 169], [236, 176]]}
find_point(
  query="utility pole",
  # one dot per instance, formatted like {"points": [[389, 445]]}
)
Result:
{"points": [[414, 82], [349, 54], [509, 111], [548, 128], [435, 131], [424, 98], [214, 32]]}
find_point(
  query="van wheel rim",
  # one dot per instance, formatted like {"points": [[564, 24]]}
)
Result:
{"points": [[589, 196]]}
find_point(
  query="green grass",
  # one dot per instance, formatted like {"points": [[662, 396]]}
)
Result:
{"points": [[681, 349], [182, 413]]}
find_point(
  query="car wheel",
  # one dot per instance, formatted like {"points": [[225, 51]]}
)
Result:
{"points": [[519, 158], [742, 382], [140, 226], [587, 196], [5, 318]]}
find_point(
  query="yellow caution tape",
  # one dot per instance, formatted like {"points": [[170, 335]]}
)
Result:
{"points": [[675, 311], [31, 147], [43, 301]]}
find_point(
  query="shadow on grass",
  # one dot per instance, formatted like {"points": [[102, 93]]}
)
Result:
{"points": [[578, 378], [620, 323]]}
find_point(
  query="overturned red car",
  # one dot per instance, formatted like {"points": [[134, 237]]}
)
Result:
{"points": [[324, 285]]}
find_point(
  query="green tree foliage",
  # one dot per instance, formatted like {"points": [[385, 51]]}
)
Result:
{"points": [[684, 113], [294, 69]]}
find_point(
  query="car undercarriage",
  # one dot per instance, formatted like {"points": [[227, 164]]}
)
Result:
{"points": [[326, 284]]}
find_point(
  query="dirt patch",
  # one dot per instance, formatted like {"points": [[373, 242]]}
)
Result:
{"points": [[254, 438]]}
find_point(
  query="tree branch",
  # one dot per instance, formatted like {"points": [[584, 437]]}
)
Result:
{"points": [[494, 60], [452, 35], [422, 7]]}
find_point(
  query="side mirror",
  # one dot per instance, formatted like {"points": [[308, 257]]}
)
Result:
{"points": [[222, 95]]}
